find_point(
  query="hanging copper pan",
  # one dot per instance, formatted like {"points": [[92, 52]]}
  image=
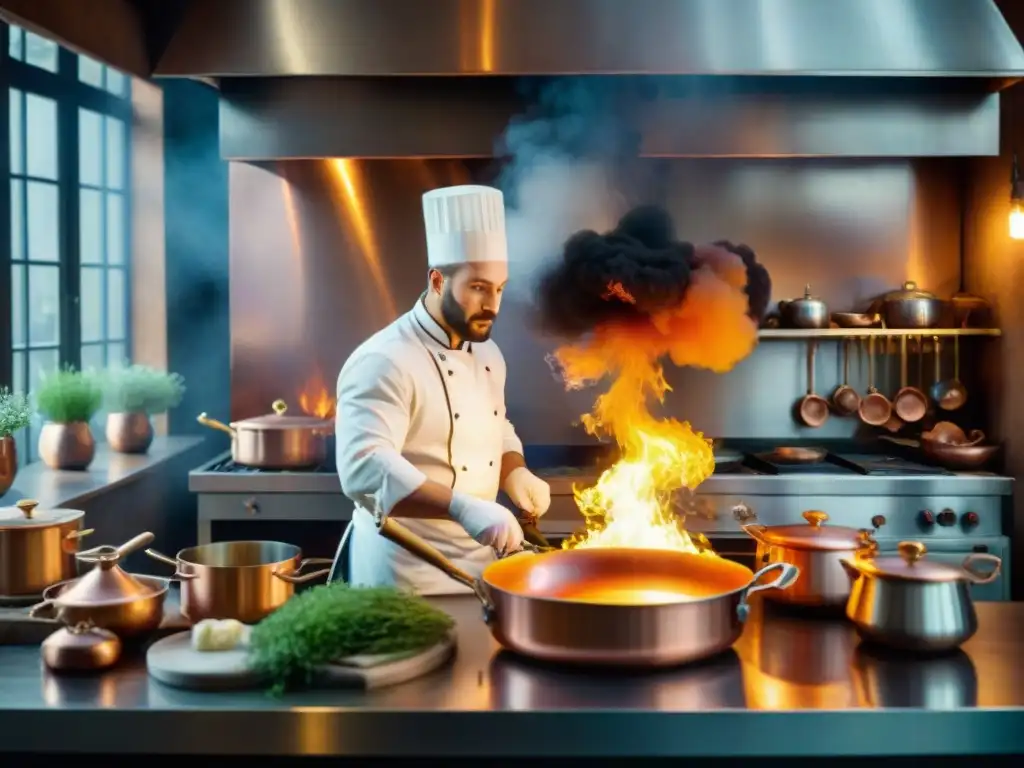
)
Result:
{"points": [[615, 606]]}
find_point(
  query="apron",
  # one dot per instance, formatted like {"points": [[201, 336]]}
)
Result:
{"points": [[457, 437]]}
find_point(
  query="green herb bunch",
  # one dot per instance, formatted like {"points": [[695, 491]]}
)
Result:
{"points": [[67, 396], [141, 389], [15, 412], [336, 621]]}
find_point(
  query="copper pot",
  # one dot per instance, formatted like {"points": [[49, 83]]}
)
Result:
{"points": [[37, 547], [107, 597], [276, 441], [129, 432], [243, 580], [81, 648], [8, 463], [67, 446]]}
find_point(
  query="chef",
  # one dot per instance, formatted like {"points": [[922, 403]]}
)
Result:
{"points": [[421, 430]]}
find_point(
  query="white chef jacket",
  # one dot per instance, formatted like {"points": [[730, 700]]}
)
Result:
{"points": [[411, 408]]}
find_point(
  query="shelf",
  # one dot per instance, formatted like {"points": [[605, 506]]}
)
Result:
{"points": [[863, 333]]}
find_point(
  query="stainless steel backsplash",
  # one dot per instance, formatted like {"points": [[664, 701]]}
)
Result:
{"points": [[325, 252]]}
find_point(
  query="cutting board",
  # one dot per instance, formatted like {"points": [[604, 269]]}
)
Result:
{"points": [[173, 662]]}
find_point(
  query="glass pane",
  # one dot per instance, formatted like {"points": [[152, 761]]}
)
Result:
{"points": [[40, 52], [18, 306], [43, 222], [90, 71], [43, 305], [40, 361], [115, 229], [92, 357], [116, 356], [91, 302], [15, 43], [17, 220], [19, 373], [41, 135], [17, 134], [115, 153], [90, 226], [116, 82], [90, 147], [115, 304]]}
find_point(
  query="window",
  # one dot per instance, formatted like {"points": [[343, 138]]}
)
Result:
{"points": [[69, 121]]}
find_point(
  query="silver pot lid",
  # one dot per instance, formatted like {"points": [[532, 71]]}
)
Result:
{"points": [[807, 298], [910, 564], [815, 535], [280, 419], [26, 514], [908, 291]]}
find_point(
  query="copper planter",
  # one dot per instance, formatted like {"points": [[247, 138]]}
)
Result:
{"points": [[129, 432], [8, 463], [67, 446]]}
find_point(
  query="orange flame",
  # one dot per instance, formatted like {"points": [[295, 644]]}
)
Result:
{"points": [[630, 505], [315, 398]]}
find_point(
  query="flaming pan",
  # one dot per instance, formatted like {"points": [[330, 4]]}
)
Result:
{"points": [[611, 607]]}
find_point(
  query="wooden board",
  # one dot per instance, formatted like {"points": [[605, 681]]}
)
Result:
{"points": [[173, 662]]}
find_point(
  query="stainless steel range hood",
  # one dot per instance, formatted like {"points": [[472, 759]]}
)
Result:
{"points": [[440, 78], [373, 38]]}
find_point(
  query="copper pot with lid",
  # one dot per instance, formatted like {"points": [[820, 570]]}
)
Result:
{"points": [[909, 602], [816, 549], [81, 648], [108, 597], [37, 547], [276, 440]]}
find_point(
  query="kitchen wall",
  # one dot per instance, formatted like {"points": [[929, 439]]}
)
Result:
{"points": [[995, 270], [325, 252]]}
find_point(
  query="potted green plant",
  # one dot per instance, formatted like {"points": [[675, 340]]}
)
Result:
{"points": [[132, 396], [67, 399], [15, 415]]}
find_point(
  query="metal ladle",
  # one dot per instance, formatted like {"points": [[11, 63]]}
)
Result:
{"points": [[845, 399], [950, 394], [875, 409]]}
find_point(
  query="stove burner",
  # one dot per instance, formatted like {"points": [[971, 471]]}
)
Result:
{"points": [[229, 466]]}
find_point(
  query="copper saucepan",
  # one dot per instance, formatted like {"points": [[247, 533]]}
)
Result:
{"points": [[277, 440], [612, 607]]}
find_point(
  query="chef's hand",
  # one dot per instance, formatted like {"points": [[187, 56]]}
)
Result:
{"points": [[528, 492], [487, 521]]}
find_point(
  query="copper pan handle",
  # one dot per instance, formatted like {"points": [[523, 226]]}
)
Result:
{"points": [[786, 578], [162, 558], [110, 555], [297, 577], [206, 421]]}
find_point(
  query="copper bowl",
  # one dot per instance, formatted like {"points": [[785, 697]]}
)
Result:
{"points": [[856, 319], [962, 457]]}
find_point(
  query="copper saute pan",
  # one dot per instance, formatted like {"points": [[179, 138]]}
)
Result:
{"points": [[277, 440], [612, 607]]}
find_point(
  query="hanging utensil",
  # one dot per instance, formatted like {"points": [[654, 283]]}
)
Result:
{"points": [[812, 408], [845, 399], [951, 394], [910, 403], [875, 409]]}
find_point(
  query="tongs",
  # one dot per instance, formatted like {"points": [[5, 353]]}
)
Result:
{"points": [[533, 540]]}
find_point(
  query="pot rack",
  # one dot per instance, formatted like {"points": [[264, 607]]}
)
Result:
{"points": [[863, 333]]}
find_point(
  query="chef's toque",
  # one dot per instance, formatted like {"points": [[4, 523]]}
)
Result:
{"points": [[465, 223]]}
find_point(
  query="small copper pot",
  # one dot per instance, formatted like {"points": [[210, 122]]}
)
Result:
{"points": [[37, 547], [129, 432], [67, 446], [8, 463]]}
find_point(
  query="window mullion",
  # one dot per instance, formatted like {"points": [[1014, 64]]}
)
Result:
{"points": [[6, 318], [67, 163]]}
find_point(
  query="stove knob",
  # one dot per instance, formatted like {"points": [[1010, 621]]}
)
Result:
{"points": [[926, 518], [946, 517], [878, 521], [970, 519]]}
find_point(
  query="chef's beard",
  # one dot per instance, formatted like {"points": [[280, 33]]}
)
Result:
{"points": [[455, 317]]}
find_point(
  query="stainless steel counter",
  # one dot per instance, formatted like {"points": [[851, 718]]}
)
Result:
{"points": [[792, 687]]}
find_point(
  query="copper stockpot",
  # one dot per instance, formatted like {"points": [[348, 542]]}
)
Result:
{"points": [[107, 597], [276, 441], [614, 607], [37, 547], [243, 580]]}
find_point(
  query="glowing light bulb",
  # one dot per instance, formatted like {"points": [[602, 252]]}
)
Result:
{"points": [[1017, 220]]}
